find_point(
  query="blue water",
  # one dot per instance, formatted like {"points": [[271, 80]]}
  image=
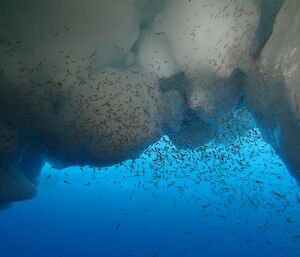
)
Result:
{"points": [[217, 201]]}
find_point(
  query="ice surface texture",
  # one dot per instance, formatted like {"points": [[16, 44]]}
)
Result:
{"points": [[96, 82]]}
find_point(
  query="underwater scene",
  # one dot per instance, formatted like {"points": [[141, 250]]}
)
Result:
{"points": [[150, 128], [208, 202]]}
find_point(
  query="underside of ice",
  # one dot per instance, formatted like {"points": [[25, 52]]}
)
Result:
{"points": [[97, 82]]}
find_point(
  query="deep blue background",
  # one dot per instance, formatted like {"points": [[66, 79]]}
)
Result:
{"points": [[234, 200]]}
